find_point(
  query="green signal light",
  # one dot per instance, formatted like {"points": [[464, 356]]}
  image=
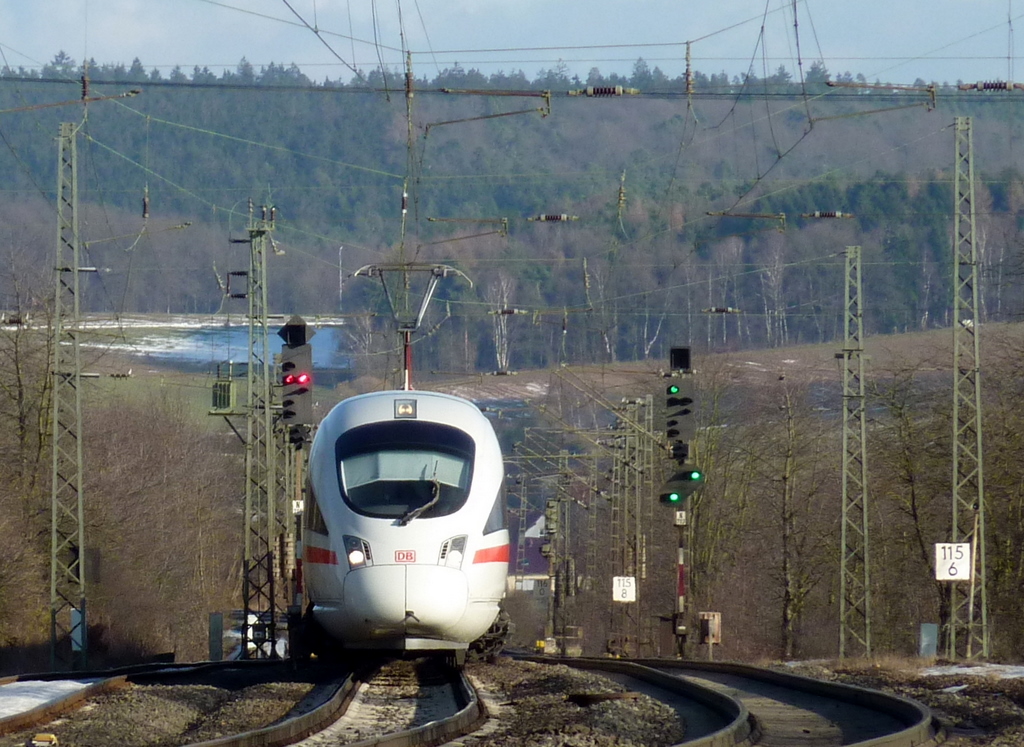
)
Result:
{"points": [[673, 389], [695, 475], [674, 497]]}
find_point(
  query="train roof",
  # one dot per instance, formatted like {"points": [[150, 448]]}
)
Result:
{"points": [[424, 406]]}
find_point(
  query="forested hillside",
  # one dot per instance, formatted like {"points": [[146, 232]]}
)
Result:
{"points": [[480, 157]]}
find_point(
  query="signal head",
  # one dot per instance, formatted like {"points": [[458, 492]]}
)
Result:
{"points": [[682, 484], [297, 385]]}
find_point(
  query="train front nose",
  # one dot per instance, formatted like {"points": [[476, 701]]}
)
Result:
{"points": [[388, 601]]}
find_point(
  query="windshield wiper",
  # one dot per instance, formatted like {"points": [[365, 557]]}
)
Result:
{"points": [[435, 496]]}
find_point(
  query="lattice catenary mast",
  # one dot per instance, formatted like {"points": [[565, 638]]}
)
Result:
{"points": [[68, 622], [260, 599], [968, 625], [854, 577]]}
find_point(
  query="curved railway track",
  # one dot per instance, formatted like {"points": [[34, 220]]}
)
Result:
{"points": [[777, 709], [418, 703]]}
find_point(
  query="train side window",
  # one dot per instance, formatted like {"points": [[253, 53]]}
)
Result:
{"points": [[314, 516], [498, 518]]}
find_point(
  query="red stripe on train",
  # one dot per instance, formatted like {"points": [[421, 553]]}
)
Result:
{"points": [[497, 554], [321, 555]]}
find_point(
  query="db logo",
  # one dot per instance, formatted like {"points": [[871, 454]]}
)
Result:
{"points": [[405, 556]]}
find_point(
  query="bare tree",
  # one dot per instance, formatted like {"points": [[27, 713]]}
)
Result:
{"points": [[499, 295], [793, 470]]}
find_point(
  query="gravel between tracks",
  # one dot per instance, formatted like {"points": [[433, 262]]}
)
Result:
{"points": [[168, 715], [530, 700], [535, 709]]}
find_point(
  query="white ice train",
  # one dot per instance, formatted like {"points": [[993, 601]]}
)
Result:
{"points": [[405, 540]]}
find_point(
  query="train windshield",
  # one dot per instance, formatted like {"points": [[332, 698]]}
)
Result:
{"points": [[405, 470]]}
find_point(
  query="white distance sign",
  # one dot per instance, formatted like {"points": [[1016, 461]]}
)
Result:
{"points": [[623, 589], [953, 561]]}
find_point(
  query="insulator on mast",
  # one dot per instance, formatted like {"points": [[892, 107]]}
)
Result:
{"points": [[145, 203], [991, 85], [596, 91], [689, 71], [553, 218], [827, 214]]}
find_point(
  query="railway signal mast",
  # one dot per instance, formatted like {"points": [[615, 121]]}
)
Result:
{"points": [[680, 429], [295, 427]]}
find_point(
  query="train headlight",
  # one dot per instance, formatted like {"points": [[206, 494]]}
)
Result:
{"points": [[452, 552], [357, 552]]}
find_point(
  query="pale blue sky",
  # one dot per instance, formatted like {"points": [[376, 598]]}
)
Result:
{"points": [[894, 40]]}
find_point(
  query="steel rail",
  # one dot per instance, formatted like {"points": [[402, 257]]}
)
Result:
{"points": [[740, 729], [922, 727]]}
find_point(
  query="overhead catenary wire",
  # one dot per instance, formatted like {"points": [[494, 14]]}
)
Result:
{"points": [[323, 41], [900, 61], [505, 176]]}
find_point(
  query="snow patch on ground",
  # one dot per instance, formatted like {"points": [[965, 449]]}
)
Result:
{"points": [[18, 697], [1001, 671]]}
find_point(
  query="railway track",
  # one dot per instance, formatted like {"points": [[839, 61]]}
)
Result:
{"points": [[776, 709], [404, 703], [398, 703], [418, 703]]}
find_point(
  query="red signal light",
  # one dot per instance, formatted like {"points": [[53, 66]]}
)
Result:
{"points": [[302, 379]]}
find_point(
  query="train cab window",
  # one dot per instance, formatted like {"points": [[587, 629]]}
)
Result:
{"points": [[405, 470]]}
